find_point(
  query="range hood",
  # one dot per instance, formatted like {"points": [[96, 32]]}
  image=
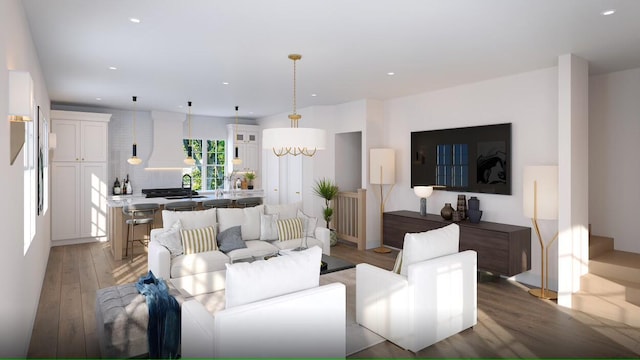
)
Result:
{"points": [[167, 150]]}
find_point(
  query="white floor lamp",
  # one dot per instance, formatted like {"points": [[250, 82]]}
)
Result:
{"points": [[540, 202], [382, 171]]}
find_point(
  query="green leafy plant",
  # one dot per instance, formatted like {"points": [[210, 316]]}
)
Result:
{"points": [[250, 176], [327, 190]]}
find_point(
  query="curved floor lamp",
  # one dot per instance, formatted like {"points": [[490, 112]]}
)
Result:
{"points": [[382, 171], [540, 202]]}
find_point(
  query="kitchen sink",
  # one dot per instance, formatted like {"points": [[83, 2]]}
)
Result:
{"points": [[184, 197]]}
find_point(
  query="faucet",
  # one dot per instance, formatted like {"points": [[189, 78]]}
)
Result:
{"points": [[187, 181]]}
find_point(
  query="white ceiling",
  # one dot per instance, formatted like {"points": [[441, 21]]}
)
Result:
{"points": [[184, 50]]}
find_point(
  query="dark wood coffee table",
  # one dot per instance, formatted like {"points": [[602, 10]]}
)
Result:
{"points": [[335, 264]]}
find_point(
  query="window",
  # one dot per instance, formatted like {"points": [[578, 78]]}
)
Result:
{"points": [[452, 168], [208, 172]]}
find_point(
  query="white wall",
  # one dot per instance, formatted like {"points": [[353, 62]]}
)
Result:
{"points": [[349, 150], [23, 273], [614, 169], [528, 101]]}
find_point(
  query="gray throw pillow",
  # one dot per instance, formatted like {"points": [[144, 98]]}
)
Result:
{"points": [[230, 239]]}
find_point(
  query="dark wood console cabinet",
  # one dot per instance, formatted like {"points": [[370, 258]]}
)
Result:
{"points": [[502, 249]]}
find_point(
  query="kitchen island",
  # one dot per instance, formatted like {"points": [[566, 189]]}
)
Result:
{"points": [[117, 228]]}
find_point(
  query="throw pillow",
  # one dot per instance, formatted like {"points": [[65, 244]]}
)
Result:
{"points": [[428, 245], [199, 240], [263, 279], [231, 239], [309, 223], [269, 227], [290, 229], [398, 264], [171, 239]]}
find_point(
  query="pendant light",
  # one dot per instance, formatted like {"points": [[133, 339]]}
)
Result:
{"points": [[236, 159], [189, 160], [134, 159], [294, 140]]}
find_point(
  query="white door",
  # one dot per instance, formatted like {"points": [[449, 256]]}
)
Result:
{"points": [[271, 180], [293, 178]]}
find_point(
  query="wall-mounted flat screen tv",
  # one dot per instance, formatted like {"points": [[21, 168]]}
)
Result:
{"points": [[469, 159]]}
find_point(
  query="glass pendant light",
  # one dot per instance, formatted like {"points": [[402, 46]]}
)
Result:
{"points": [[236, 159]]}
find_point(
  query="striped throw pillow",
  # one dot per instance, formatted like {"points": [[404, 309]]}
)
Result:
{"points": [[199, 240], [290, 229]]}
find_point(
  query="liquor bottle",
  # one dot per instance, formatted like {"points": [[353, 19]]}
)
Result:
{"points": [[116, 187], [128, 188]]}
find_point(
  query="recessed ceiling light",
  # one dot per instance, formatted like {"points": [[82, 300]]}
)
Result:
{"points": [[225, 83], [314, 95], [608, 12], [134, 20], [180, 106], [98, 99], [113, 68], [391, 73]]}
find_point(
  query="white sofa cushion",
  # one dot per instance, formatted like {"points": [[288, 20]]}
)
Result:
{"points": [[254, 249], [199, 240], [294, 243], [284, 211], [263, 279], [171, 239], [189, 219], [247, 218], [269, 227], [203, 262], [428, 245]]}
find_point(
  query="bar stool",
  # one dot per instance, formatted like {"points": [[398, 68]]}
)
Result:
{"points": [[138, 214], [188, 205], [216, 203], [248, 202]]}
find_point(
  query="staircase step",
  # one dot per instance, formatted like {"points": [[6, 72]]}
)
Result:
{"points": [[617, 265], [612, 308], [599, 245], [604, 287]]}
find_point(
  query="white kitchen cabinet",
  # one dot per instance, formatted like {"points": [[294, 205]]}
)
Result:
{"points": [[80, 140], [79, 176], [243, 143]]}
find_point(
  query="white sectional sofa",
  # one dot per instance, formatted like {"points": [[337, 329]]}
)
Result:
{"points": [[258, 227]]}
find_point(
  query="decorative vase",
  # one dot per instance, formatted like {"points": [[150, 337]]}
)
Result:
{"points": [[474, 203], [447, 211], [462, 206], [456, 216], [474, 216], [333, 237]]}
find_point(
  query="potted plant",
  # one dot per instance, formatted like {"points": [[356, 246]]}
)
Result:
{"points": [[249, 177], [327, 190]]}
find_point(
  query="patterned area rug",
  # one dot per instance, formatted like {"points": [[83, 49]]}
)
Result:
{"points": [[358, 337]]}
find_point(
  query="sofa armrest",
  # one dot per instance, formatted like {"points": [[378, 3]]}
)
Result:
{"points": [[324, 236], [158, 257], [382, 302], [197, 330]]}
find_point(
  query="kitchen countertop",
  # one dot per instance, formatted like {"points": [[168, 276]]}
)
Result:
{"points": [[139, 198]]}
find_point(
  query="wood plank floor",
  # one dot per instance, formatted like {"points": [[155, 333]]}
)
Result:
{"points": [[511, 323]]}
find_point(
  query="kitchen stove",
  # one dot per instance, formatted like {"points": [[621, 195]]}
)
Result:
{"points": [[173, 193]]}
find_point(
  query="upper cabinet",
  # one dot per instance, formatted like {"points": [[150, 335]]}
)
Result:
{"points": [[244, 144], [80, 136]]}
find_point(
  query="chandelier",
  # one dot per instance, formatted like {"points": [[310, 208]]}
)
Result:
{"points": [[294, 140]]}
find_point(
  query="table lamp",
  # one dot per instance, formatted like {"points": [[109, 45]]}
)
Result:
{"points": [[423, 192], [540, 202]]}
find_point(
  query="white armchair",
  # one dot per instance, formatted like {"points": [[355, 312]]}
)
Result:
{"points": [[433, 297]]}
